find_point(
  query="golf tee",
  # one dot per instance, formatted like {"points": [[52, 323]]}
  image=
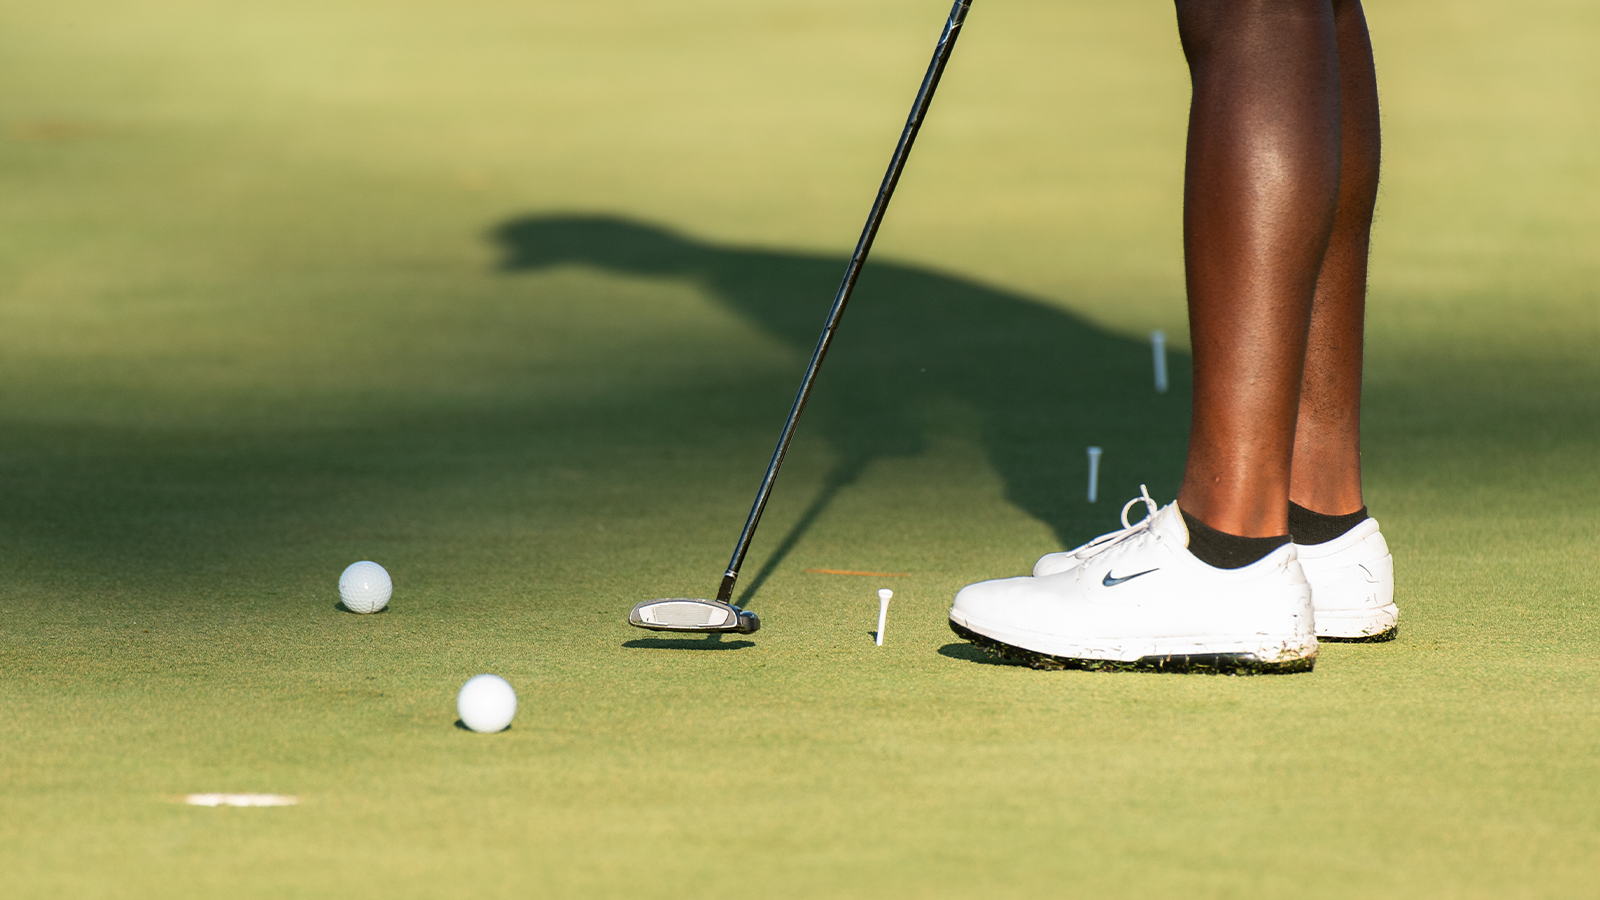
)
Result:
{"points": [[1158, 349], [1094, 474], [883, 611]]}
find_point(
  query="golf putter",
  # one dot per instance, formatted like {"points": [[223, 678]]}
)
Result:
{"points": [[720, 615]]}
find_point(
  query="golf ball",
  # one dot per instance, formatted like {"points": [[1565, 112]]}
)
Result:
{"points": [[365, 587], [486, 703]]}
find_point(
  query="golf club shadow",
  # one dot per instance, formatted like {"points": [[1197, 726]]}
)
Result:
{"points": [[463, 726], [842, 476], [1040, 382], [684, 644]]}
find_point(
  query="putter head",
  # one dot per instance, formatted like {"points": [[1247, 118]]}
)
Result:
{"points": [[685, 614]]}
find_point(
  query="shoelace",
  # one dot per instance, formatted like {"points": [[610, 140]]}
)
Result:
{"points": [[1105, 541]]}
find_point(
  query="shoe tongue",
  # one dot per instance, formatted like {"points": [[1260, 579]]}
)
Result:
{"points": [[1168, 523]]}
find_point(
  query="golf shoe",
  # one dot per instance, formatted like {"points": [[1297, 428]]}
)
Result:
{"points": [[1138, 599], [1351, 577]]}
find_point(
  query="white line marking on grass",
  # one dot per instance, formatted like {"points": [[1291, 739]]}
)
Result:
{"points": [[239, 799]]}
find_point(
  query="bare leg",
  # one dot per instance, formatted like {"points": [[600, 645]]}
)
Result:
{"points": [[1326, 476], [1261, 193], [1278, 195]]}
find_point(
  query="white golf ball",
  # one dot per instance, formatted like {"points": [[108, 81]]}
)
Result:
{"points": [[365, 587], [487, 703]]}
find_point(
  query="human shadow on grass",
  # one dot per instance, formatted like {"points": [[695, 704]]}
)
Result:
{"points": [[1041, 382], [148, 511]]}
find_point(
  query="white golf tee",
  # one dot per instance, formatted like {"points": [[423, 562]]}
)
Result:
{"points": [[1094, 474], [883, 611], [1158, 348]]}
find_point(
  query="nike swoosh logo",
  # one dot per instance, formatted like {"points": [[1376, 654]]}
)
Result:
{"points": [[1108, 581]]}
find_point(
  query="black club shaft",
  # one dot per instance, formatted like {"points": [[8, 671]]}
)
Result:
{"points": [[897, 164]]}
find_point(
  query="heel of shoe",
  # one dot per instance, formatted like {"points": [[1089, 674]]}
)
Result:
{"points": [[1355, 603]]}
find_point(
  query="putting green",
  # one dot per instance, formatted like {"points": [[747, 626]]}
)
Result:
{"points": [[512, 299]]}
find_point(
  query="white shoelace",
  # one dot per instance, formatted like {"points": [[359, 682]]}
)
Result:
{"points": [[1105, 541]]}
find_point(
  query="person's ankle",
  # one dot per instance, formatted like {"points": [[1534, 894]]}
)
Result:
{"points": [[1307, 527], [1227, 551]]}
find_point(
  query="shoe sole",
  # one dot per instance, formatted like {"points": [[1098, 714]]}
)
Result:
{"points": [[1360, 626], [1201, 663], [1388, 634]]}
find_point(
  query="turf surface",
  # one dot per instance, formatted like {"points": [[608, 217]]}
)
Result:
{"points": [[512, 298]]}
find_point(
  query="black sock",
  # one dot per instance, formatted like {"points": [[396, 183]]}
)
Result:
{"points": [[1227, 551], [1309, 527]]}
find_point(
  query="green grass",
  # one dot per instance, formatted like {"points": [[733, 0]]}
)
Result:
{"points": [[512, 298]]}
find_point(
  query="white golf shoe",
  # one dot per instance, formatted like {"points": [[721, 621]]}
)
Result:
{"points": [[1138, 599], [1352, 585], [1351, 578]]}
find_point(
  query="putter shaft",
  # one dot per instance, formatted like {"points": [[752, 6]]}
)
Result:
{"points": [[897, 164]]}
